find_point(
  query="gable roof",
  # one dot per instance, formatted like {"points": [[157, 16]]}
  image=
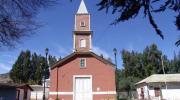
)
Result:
{"points": [[74, 54], [155, 78], [82, 8], [23, 86]]}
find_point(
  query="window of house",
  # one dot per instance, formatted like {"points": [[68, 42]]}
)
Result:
{"points": [[82, 63], [157, 92], [82, 24], [142, 93], [83, 43]]}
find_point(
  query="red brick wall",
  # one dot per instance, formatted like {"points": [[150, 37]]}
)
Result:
{"points": [[77, 42], [103, 76], [82, 17]]}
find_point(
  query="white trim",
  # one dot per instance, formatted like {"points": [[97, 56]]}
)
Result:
{"points": [[75, 27], [84, 30], [74, 42], [93, 93], [61, 93], [104, 92], [89, 22], [90, 40]]}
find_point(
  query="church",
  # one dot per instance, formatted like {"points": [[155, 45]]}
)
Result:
{"points": [[82, 75]]}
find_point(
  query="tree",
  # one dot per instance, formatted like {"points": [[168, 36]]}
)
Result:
{"points": [[17, 19], [152, 60], [132, 63], [16, 72], [30, 68], [21, 69], [174, 66], [36, 69], [129, 9], [52, 60]]}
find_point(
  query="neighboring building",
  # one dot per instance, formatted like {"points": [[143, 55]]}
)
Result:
{"points": [[82, 75], [23, 92], [37, 93], [12, 91], [7, 91], [159, 86], [7, 88]]}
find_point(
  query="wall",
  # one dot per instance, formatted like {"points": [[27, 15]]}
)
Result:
{"points": [[171, 93], [103, 77], [7, 93], [38, 95]]}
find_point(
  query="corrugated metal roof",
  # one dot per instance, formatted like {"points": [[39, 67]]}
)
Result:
{"points": [[37, 87], [161, 78]]}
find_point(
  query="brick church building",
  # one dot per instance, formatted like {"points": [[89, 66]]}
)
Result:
{"points": [[82, 75]]}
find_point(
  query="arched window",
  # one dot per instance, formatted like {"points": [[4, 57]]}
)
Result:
{"points": [[82, 43]]}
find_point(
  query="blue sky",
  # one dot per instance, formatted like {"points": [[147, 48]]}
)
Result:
{"points": [[56, 34]]}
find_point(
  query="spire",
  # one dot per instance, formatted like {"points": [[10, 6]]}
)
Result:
{"points": [[82, 8]]}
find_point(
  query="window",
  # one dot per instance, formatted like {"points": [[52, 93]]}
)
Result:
{"points": [[82, 24], [83, 43], [157, 92], [82, 63], [142, 93]]}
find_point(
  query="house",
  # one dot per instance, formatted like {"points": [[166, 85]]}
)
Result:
{"points": [[82, 75], [23, 92], [12, 91], [7, 91], [37, 93], [159, 86], [7, 88]]}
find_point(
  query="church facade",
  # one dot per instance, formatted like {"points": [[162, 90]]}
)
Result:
{"points": [[82, 75]]}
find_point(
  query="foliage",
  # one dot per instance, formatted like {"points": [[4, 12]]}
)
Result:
{"points": [[139, 65], [29, 68], [52, 60], [129, 9], [17, 19]]}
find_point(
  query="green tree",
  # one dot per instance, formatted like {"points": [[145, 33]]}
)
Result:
{"points": [[52, 60], [137, 66], [132, 63], [16, 72], [21, 69], [30, 68], [26, 66], [174, 66], [152, 60], [36, 69]]}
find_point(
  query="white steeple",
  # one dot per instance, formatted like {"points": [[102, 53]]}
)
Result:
{"points": [[82, 8]]}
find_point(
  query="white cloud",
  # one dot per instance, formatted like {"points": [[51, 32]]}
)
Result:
{"points": [[4, 67], [130, 47], [100, 51], [63, 51], [60, 50], [8, 55]]}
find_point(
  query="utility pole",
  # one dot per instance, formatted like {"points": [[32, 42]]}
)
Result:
{"points": [[44, 75], [165, 81]]}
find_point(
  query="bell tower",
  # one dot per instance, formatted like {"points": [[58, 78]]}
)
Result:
{"points": [[82, 32]]}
